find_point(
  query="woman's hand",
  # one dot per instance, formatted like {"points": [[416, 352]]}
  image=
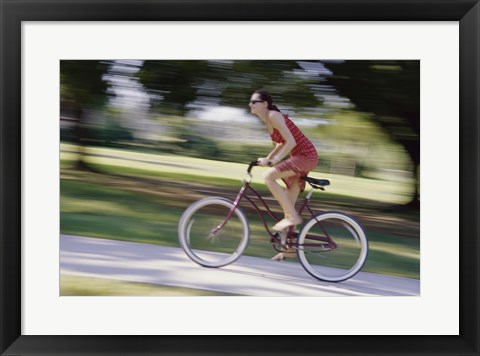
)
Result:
{"points": [[264, 162]]}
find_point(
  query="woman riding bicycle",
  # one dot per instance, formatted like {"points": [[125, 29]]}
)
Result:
{"points": [[288, 139], [331, 246]]}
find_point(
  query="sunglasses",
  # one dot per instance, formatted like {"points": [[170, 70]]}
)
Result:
{"points": [[256, 101]]}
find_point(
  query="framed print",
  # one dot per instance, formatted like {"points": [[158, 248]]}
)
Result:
{"points": [[419, 58]]}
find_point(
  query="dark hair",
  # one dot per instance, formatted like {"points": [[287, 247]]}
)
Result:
{"points": [[265, 96]]}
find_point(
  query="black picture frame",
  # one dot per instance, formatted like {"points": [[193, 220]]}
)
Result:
{"points": [[13, 12]]}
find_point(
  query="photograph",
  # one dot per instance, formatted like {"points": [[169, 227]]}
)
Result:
{"points": [[240, 177]]}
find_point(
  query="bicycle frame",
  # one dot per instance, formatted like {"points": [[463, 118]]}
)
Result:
{"points": [[266, 209], [214, 232], [327, 242]]}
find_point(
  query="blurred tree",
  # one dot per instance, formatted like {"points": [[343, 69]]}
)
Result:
{"points": [[172, 84], [390, 90], [283, 79], [175, 84], [175, 87], [81, 86]]}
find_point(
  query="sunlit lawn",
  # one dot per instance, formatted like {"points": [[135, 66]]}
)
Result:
{"points": [[394, 190], [90, 286]]}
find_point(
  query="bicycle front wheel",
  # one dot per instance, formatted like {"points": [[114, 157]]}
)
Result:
{"points": [[332, 247], [213, 232]]}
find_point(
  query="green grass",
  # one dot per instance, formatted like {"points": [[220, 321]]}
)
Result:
{"points": [[90, 286], [140, 197], [101, 210], [393, 254]]}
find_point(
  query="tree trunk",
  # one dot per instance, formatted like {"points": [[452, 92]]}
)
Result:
{"points": [[80, 136], [414, 153], [415, 202]]}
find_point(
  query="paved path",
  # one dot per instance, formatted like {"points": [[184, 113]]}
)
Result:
{"points": [[128, 261]]}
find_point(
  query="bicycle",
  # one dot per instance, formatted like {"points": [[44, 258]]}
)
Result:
{"points": [[331, 246]]}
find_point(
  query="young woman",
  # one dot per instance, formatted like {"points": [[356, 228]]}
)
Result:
{"points": [[288, 139]]}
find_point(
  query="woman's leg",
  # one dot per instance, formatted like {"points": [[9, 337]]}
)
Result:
{"points": [[290, 195], [285, 199], [278, 192], [293, 192]]}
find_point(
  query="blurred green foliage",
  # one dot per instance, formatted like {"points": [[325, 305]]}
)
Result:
{"points": [[106, 132], [390, 90], [175, 84], [82, 83], [367, 104]]}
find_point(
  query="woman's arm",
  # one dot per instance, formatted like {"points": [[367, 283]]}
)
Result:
{"points": [[275, 150], [278, 122], [268, 161]]}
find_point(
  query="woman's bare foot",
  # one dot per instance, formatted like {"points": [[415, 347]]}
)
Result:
{"points": [[282, 255], [287, 222]]}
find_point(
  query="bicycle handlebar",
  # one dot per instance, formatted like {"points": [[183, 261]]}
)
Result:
{"points": [[252, 164]]}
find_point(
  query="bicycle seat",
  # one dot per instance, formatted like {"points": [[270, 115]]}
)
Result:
{"points": [[317, 183]]}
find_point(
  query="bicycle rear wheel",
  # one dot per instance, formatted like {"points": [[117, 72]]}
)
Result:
{"points": [[332, 247], [205, 240]]}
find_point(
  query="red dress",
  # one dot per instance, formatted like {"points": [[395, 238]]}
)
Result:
{"points": [[303, 157]]}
